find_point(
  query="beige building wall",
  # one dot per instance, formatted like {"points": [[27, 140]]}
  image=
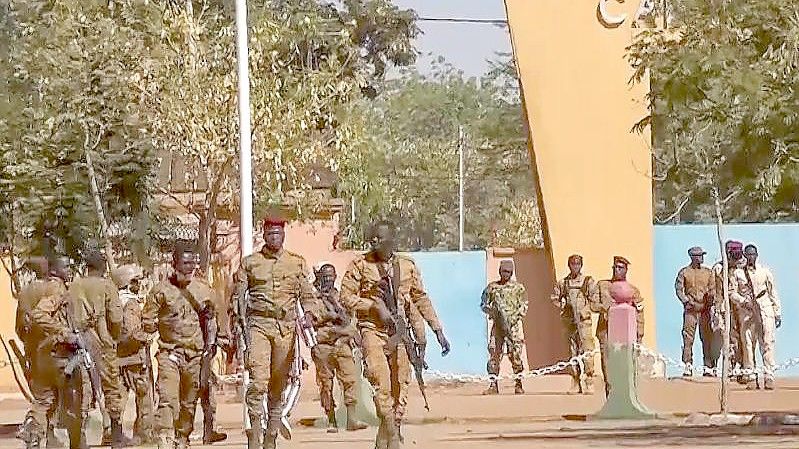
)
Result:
{"points": [[593, 173], [8, 310]]}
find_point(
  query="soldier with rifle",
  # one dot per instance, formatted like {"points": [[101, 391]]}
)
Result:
{"points": [[135, 362], [98, 315], [505, 302], [64, 362], [337, 336], [271, 284], [213, 338], [175, 311], [377, 290], [31, 337], [572, 297]]}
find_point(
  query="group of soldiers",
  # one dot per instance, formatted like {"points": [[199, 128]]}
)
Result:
{"points": [[380, 310], [755, 312], [87, 342], [577, 296]]}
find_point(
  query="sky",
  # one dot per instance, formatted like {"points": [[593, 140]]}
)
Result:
{"points": [[464, 45]]}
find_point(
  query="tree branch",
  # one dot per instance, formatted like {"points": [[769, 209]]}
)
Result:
{"points": [[676, 212], [179, 201]]}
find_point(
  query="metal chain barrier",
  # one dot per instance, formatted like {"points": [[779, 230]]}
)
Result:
{"points": [[715, 371], [576, 361]]}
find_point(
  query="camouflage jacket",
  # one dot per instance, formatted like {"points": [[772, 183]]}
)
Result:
{"points": [[509, 299]]}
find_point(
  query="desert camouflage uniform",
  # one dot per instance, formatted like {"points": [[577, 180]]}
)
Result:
{"points": [[508, 301], [572, 295]]}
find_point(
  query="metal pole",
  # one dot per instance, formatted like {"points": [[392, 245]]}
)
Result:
{"points": [[245, 137], [460, 189], [245, 153]]}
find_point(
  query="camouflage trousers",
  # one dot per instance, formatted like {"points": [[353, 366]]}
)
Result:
{"points": [[136, 378], [268, 361], [335, 360], [178, 386], [500, 344], [389, 374], [108, 366], [581, 340]]}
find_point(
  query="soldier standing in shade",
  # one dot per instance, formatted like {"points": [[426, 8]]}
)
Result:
{"points": [[44, 380], [270, 283], [57, 350], [377, 289], [134, 357], [695, 288], [175, 313], [98, 313], [572, 296], [505, 303], [601, 301], [768, 312], [336, 336]]}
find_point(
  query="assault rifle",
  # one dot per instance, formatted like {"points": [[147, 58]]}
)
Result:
{"points": [[402, 334]]}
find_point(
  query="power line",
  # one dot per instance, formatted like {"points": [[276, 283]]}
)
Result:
{"points": [[501, 22]]}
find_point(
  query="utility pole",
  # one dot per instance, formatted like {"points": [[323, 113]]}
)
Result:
{"points": [[461, 215], [245, 153]]}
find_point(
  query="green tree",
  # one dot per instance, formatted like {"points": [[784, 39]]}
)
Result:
{"points": [[409, 171], [724, 109], [68, 94]]}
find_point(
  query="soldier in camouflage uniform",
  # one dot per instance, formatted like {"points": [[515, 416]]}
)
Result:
{"points": [[572, 296], [377, 289], [57, 351], [134, 358], [270, 282], [173, 310], [30, 335], [98, 313], [336, 336], [601, 301], [505, 303]]}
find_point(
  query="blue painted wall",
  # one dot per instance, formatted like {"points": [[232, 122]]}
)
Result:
{"points": [[778, 246], [454, 282]]}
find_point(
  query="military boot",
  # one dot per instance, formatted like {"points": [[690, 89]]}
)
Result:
{"points": [[106, 439], [352, 423], [519, 389], [118, 438], [393, 434], [182, 443], [381, 441], [166, 441], [492, 389], [270, 436], [332, 425], [254, 434], [52, 440]]}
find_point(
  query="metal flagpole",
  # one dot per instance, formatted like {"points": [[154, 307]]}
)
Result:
{"points": [[245, 154]]}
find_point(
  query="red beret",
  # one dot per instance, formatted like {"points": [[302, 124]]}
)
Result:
{"points": [[274, 220]]}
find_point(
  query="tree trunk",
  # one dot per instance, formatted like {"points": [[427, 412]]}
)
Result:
{"points": [[98, 204], [725, 347]]}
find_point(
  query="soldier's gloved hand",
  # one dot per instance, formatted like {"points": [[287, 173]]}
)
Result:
{"points": [[71, 339], [778, 321], [307, 320], [442, 341]]}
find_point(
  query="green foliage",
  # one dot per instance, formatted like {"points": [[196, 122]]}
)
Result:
{"points": [[66, 73], [724, 109], [408, 171]]}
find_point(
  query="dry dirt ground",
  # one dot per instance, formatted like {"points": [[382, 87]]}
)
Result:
{"points": [[545, 417]]}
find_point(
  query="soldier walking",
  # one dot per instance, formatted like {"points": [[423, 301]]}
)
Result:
{"points": [[601, 302], [377, 289], [695, 288], [98, 313], [768, 313], [336, 336], [572, 296], [214, 337], [175, 313], [270, 284], [135, 365], [505, 303]]}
